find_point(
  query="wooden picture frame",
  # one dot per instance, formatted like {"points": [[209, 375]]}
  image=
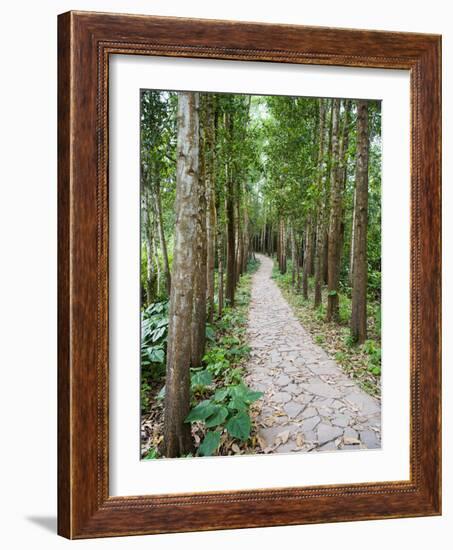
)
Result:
{"points": [[85, 42]]}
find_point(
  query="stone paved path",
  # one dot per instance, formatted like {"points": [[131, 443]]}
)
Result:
{"points": [[309, 404]]}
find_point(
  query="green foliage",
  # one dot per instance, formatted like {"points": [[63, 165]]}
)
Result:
{"points": [[199, 379], [228, 408], [239, 426], [151, 454], [154, 332], [340, 357], [209, 444], [374, 356]]}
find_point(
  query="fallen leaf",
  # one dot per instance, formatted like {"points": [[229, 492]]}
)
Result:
{"points": [[282, 438], [299, 440]]}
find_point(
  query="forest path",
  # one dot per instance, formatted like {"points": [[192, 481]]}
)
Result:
{"points": [[309, 403]]}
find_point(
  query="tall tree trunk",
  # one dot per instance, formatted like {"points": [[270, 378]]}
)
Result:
{"points": [[293, 257], [325, 247], [160, 228], [359, 287], [321, 207], [220, 274], [325, 255], [351, 252], [282, 246], [245, 241], [198, 327], [312, 249], [210, 200], [343, 168], [239, 240], [335, 221], [231, 238], [177, 437], [307, 257]]}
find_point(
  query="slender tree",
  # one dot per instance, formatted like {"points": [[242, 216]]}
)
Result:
{"points": [[177, 438], [335, 220], [321, 207], [229, 207], [198, 330], [359, 285], [210, 203]]}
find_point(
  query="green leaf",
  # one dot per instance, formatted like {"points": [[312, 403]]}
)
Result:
{"points": [[217, 418], [238, 404], [201, 378], [203, 410], [210, 444], [239, 426], [156, 355], [158, 333], [332, 293], [210, 333], [254, 396], [220, 394], [151, 455], [161, 394]]}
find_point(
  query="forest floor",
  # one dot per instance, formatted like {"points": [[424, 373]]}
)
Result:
{"points": [[309, 403]]}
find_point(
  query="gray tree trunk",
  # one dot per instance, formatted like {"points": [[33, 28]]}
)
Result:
{"points": [[177, 437], [335, 220], [321, 210], [359, 286], [198, 331], [210, 201]]}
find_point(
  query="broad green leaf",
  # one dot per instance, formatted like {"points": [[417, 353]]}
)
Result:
{"points": [[254, 396], [201, 378], [238, 404], [220, 394], [217, 418], [209, 444], [203, 410], [239, 426], [156, 355]]}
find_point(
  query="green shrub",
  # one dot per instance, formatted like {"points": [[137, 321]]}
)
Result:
{"points": [[227, 409]]}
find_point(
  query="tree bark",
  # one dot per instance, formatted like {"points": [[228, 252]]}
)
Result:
{"points": [[198, 326], [231, 238], [321, 207], [211, 209], [307, 257], [177, 435], [335, 221], [359, 287], [293, 257]]}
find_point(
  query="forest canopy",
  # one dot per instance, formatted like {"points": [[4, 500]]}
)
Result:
{"points": [[225, 177]]}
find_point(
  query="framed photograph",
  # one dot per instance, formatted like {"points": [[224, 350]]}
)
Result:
{"points": [[249, 275]]}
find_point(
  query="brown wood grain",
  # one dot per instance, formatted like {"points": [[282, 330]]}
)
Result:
{"points": [[85, 41]]}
